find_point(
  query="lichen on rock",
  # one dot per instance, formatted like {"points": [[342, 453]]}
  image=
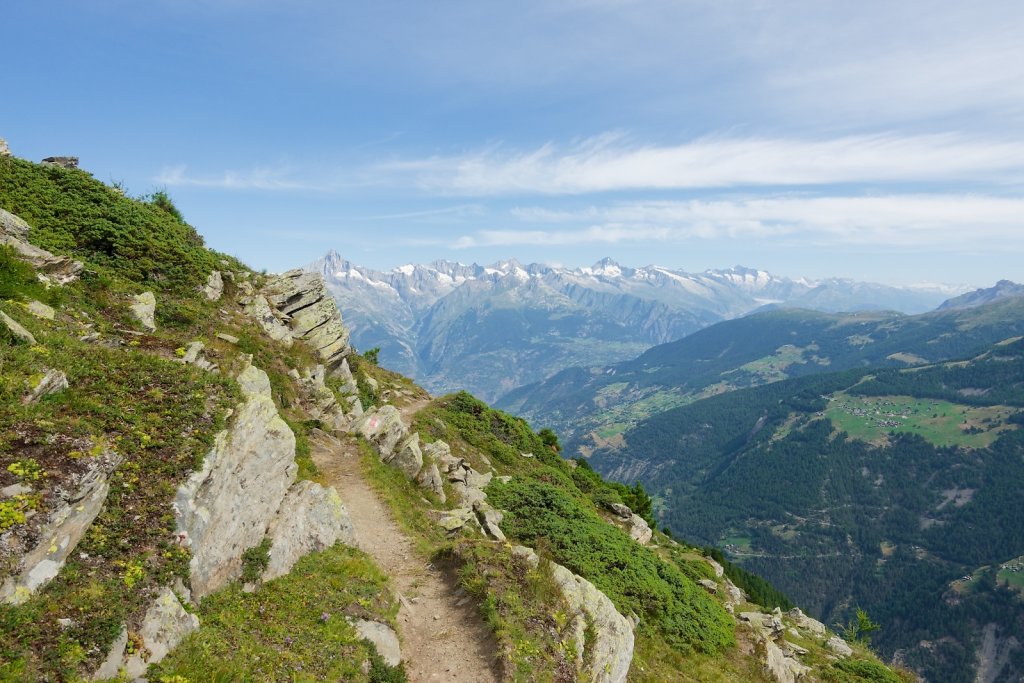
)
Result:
{"points": [[226, 506]]}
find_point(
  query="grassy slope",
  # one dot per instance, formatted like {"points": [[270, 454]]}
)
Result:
{"points": [[127, 393], [560, 509]]}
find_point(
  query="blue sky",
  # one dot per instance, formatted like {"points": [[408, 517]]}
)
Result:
{"points": [[877, 140]]}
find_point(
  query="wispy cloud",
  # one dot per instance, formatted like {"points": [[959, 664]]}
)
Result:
{"points": [[612, 163], [925, 222], [253, 179], [448, 212]]}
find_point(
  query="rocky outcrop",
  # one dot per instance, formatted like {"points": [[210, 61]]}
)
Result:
{"points": [[257, 308], [839, 646], [408, 457], [319, 401], [64, 528], [609, 649], [16, 329], [772, 650], [51, 382], [621, 511], [806, 623], [430, 479], [214, 287], [383, 428], [455, 519], [41, 310], [782, 668], [143, 308], [467, 485], [165, 625], [303, 302], [58, 270], [194, 356], [383, 637], [225, 507], [60, 162], [489, 519], [639, 530], [311, 518]]}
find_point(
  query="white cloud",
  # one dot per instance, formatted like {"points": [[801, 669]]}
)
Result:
{"points": [[253, 179], [925, 222], [612, 163]]}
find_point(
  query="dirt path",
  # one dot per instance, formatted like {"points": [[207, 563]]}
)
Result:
{"points": [[443, 636]]}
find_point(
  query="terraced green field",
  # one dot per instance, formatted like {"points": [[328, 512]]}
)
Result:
{"points": [[873, 418]]}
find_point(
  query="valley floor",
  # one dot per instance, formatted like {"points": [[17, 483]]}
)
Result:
{"points": [[443, 635]]}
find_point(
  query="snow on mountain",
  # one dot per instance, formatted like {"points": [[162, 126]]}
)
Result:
{"points": [[492, 328]]}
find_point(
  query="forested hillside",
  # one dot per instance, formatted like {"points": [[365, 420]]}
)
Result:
{"points": [[593, 406], [892, 490]]}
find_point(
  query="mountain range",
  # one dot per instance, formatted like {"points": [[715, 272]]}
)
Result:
{"points": [[490, 329]]}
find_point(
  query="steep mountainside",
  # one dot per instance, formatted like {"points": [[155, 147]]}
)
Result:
{"points": [[491, 329], [1004, 289], [593, 406], [893, 490], [172, 427]]}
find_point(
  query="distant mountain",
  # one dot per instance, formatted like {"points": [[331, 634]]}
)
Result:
{"points": [[1004, 289], [493, 328], [590, 407]]}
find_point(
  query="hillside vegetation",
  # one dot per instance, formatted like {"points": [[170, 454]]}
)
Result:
{"points": [[133, 409], [117, 434], [877, 488], [592, 407]]}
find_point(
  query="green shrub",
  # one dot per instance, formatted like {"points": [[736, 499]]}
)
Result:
{"points": [[860, 671], [635, 578], [73, 213], [255, 560]]}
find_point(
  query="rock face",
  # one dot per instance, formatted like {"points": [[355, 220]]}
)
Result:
{"points": [[782, 668], [58, 270], [430, 479], [224, 508], [194, 356], [489, 519], [806, 623], [311, 518], [143, 308], [165, 625], [16, 329], [51, 382], [257, 308], [407, 457], [466, 483], [639, 530], [611, 647], [622, 511], [214, 287], [63, 530], [41, 310], [383, 428], [310, 311], [60, 162], [383, 637], [319, 401], [839, 646]]}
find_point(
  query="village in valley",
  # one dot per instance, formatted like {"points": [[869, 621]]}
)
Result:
{"points": [[875, 418]]}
